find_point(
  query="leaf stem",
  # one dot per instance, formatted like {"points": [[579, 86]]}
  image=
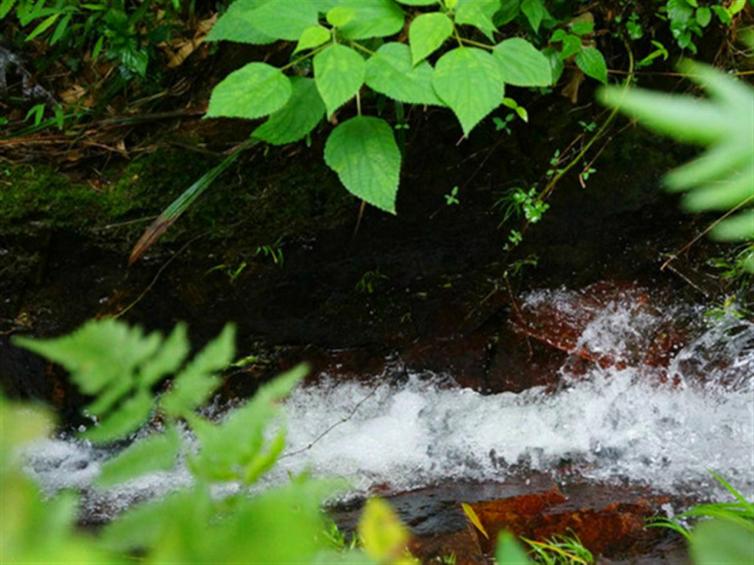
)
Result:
{"points": [[303, 57], [476, 43]]}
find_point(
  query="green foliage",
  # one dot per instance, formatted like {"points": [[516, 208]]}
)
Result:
{"points": [[348, 43], [390, 72], [339, 73], [253, 91], [723, 532], [301, 114], [509, 551], [560, 550], [470, 82], [522, 64], [427, 34], [723, 177], [119, 365], [125, 32], [363, 152]]}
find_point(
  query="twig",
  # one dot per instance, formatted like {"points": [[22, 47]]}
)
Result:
{"points": [[333, 426]]}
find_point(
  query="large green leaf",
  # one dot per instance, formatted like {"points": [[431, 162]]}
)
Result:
{"points": [[720, 541], [469, 81], [391, 73], [339, 73], [284, 19], [418, 2], [509, 551], [155, 453], [372, 18], [591, 61], [363, 152], [427, 33], [522, 64], [253, 91], [237, 24], [297, 118], [478, 13]]}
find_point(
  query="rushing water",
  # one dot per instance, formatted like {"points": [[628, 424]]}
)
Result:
{"points": [[620, 423]]}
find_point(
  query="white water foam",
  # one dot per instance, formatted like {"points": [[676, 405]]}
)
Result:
{"points": [[607, 425]]}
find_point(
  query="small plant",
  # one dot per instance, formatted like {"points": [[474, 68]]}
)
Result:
{"points": [[722, 531], [370, 281], [273, 251], [559, 550], [451, 198]]}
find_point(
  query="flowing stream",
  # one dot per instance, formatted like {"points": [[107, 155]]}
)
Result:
{"points": [[663, 427]]}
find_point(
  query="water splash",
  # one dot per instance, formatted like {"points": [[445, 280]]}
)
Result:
{"points": [[615, 423]]}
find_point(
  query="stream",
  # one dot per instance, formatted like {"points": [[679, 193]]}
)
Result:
{"points": [[620, 423]]}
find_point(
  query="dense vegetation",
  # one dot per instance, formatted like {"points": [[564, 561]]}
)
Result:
{"points": [[346, 79]]}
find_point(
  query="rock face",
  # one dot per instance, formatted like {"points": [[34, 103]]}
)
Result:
{"points": [[609, 520]]}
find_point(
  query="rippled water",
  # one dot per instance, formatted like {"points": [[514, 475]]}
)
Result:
{"points": [[608, 424]]}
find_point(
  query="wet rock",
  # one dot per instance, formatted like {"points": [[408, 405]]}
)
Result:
{"points": [[608, 520]]}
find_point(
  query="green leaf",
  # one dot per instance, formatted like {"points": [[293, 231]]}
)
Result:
{"points": [[312, 37], [703, 16], [522, 64], [284, 19], [509, 551], [391, 73], [737, 228], [5, 7], [418, 2], [427, 33], [297, 118], [197, 381], [222, 456], [381, 532], [43, 26], [591, 61], [168, 358], [155, 453], [126, 419], [253, 91], [720, 541], [469, 81], [372, 18], [723, 177], [478, 13], [238, 24], [363, 152], [339, 73], [340, 16], [535, 11], [100, 354]]}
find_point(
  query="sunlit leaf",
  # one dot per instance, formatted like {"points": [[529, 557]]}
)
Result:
{"points": [[381, 532], [390, 72], [297, 118], [469, 81], [591, 61], [253, 91], [522, 64], [372, 18], [363, 152], [427, 33], [339, 74]]}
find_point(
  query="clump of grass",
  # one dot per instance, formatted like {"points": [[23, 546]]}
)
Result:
{"points": [[559, 550], [740, 511]]}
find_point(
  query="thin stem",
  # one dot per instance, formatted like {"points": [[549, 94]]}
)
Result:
{"points": [[477, 43], [358, 103], [303, 57], [362, 48]]}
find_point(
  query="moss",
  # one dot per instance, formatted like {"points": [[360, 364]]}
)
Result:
{"points": [[39, 194]]}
